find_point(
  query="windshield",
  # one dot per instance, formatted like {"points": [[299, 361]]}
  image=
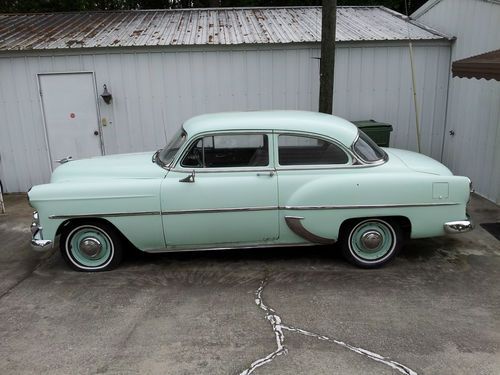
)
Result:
{"points": [[166, 155], [368, 150]]}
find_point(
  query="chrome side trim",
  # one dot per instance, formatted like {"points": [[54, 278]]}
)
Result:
{"points": [[243, 209], [295, 225], [112, 214], [170, 249], [389, 205], [216, 210]]}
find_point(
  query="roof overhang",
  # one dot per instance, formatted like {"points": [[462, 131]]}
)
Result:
{"points": [[486, 65]]}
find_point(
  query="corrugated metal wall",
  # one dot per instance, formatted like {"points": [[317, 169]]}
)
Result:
{"points": [[154, 92], [474, 105]]}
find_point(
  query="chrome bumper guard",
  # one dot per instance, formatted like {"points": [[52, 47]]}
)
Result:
{"points": [[460, 226], [37, 241]]}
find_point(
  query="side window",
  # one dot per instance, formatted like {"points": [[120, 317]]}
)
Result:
{"points": [[302, 150], [231, 150]]}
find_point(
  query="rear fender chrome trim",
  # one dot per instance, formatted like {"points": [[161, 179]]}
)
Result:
{"points": [[295, 225], [388, 205]]}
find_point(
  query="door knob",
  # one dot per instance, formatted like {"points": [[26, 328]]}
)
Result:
{"points": [[96, 133]]}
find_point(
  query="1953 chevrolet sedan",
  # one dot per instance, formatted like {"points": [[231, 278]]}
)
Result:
{"points": [[248, 180]]}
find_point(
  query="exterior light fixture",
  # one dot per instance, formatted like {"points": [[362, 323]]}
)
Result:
{"points": [[106, 95]]}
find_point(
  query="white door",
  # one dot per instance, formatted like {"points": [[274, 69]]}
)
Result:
{"points": [[71, 119]]}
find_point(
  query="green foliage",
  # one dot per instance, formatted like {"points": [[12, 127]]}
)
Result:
{"points": [[7, 6]]}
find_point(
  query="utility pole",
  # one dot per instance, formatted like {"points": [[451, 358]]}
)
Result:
{"points": [[327, 62]]}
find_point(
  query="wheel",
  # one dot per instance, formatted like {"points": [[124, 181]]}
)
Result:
{"points": [[370, 243], [91, 246]]}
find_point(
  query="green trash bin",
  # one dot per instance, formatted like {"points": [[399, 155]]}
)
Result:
{"points": [[378, 131]]}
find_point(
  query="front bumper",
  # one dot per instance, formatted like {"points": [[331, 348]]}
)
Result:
{"points": [[37, 241], [460, 226]]}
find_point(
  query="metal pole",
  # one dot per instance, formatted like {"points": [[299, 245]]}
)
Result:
{"points": [[417, 118], [327, 62], [413, 80]]}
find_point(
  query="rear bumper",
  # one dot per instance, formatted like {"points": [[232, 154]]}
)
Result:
{"points": [[37, 241], [460, 226]]}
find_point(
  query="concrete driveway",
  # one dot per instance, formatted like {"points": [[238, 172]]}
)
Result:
{"points": [[435, 310]]}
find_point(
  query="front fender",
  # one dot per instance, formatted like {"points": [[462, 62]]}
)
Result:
{"points": [[132, 206]]}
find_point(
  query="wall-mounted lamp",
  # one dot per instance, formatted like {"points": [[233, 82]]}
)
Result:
{"points": [[106, 95]]}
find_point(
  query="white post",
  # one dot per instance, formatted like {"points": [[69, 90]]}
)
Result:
{"points": [[2, 206]]}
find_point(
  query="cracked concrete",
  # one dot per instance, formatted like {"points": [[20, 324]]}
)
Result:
{"points": [[278, 326], [435, 310]]}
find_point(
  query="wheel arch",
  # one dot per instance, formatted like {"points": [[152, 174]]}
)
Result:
{"points": [[403, 222], [95, 219]]}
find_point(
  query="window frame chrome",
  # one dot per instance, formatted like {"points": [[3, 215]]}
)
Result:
{"points": [[178, 167], [366, 162], [350, 163]]}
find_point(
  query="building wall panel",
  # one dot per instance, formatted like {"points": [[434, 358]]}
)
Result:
{"points": [[473, 105], [154, 91]]}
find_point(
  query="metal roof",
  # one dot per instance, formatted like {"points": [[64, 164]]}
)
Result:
{"points": [[187, 27], [313, 122]]}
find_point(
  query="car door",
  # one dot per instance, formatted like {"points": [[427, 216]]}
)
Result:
{"points": [[316, 177], [222, 191]]}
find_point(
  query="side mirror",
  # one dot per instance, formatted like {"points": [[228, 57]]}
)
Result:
{"points": [[189, 178]]}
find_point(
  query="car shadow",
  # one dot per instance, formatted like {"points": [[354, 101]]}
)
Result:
{"points": [[261, 254]]}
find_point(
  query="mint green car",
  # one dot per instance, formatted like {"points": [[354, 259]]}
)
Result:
{"points": [[248, 180]]}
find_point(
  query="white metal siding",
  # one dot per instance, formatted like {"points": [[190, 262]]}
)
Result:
{"points": [[474, 105], [375, 83], [154, 92]]}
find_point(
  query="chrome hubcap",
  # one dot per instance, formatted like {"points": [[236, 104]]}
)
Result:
{"points": [[90, 246], [371, 239]]}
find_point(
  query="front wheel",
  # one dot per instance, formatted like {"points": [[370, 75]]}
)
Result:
{"points": [[91, 246], [370, 243]]}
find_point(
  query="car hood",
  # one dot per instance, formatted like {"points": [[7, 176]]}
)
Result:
{"points": [[137, 165], [418, 162]]}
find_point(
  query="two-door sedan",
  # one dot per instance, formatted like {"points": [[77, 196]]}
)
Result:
{"points": [[248, 180]]}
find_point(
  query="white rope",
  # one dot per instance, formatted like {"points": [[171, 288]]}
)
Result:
{"points": [[414, 84]]}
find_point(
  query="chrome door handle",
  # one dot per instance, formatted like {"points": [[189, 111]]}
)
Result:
{"points": [[190, 177], [268, 174]]}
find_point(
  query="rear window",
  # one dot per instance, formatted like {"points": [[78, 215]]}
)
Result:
{"points": [[368, 150], [304, 150]]}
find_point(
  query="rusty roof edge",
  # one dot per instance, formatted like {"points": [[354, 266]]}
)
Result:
{"points": [[76, 50]]}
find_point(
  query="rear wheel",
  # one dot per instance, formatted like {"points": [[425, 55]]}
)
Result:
{"points": [[91, 246], [370, 243]]}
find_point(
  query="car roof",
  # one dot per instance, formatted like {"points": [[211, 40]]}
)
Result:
{"points": [[304, 121]]}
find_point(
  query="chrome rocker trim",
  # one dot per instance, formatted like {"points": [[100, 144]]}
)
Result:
{"points": [[295, 225], [460, 226], [37, 241]]}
